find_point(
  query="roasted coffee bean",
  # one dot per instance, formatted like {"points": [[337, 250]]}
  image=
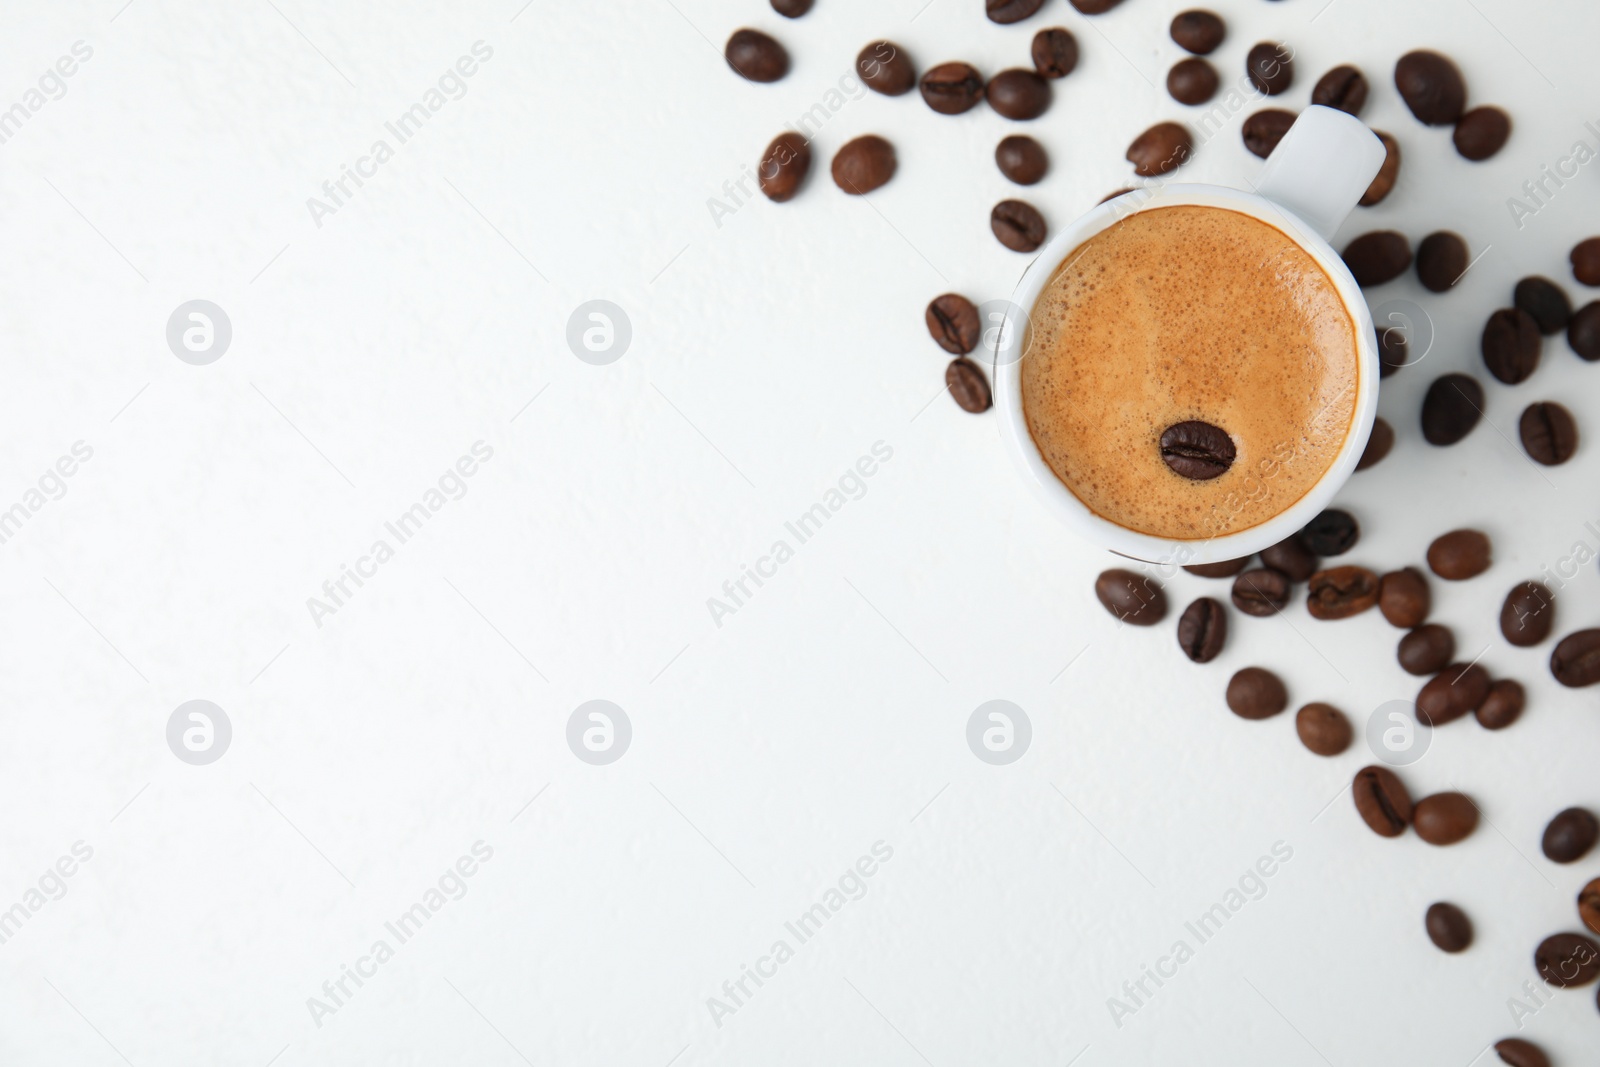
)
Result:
{"points": [[1589, 905], [1343, 87], [1388, 173], [1256, 693], [1055, 52], [1575, 663], [1445, 818], [886, 68], [1292, 557], [791, 9], [1378, 445], [1441, 260], [1528, 614], [1583, 332], [1192, 81], [1460, 689], [754, 55], [1018, 94], [1378, 257], [1459, 555], [1223, 569], [1481, 133], [1203, 629], [1586, 261], [1393, 350], [1381, 801], [1426, 650], [1094, 7], [1340, 592], [1022, 159], [1263, 130], [1261, 592], [1511, 345], [1451, 409], [1570, 835], [1131, 597], [951, 88], [1404, 598], [1270, 67], [864, 164], [1018, 225], [1332, 533], [1323, 729], [1549, 434], [1448, 927], [1520, 1053], [1567, 961], [1431, 86], [1544, 300], [1009, 11], [784, 166], [1197, 450], [1503, 706], [968, 387], [953, 322], [1159, 150], [1198, 31], [1114, 194]]}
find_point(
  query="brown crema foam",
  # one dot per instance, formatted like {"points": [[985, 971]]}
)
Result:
{"points": [[1190, 313]]}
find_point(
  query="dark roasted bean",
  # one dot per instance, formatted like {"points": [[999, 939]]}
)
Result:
{"points": [[1009, 11], [1256, 693], [1585, 260], [951, 88], [1332, 533], [1503, 706], [1131, 597], [1192, 81], [1022, 159], [1567, 961], [1441, 260], [1481, 133], [791, 9], [864, 164], [1404, 598], [1431, 86], [886, 68], [1378, 445], [1528, 614], [953, 322], [1343, 87], [784, 166], [1583, 332], [1263, 130], [1055, 52], [1226, 568], [1549, 433], [1589, 905], [1544, 300], [1203, 630], [754, 55], [1018, 94], [1448, 926], [1451, 409], [1261, 592], [1426, 650], [1445, 818], [1511, 345], [1323, 729], [1570, 835], [1382, 801], [968, 387], [1292, 557], [1270, 67], [1460, 689], [1575, 663], [1017, 225], [1162, 148], [1198, 31], [1459, 554], [1388, 173], [1520, 1053], [1340, 592], [1378, 257], [1198, 451]]}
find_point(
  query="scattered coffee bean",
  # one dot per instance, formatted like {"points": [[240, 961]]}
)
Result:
{"points": [[1393, 350], [1378, 257], [1481, 133], [1263, 130], [1114, 194], [1544, 300], [1575, 663], [1006, 12], [1131, 597], [1520, 1053], [1332, 533], [1404, 598], [1202, 630], [1431, 86], [791, 9], [1192, 81], [1378, 445], [1159, 150], [1441, 260], [1292, 557], [953, 322], [1445, 818], [864, 164], [1567, 961], [1503, 706], [1197, 450], [1018, 94], [1570, 835], [1459, 555], [1340, 592], [1460, 689], [1528, 614], [754, 55], [1381, 801], [784, 166], [1448, 927], [1018, 225], [1426, 650], [1323, 729], [1223, 569], [1387, 173], [1583, 332], [1549, 434], [1198, 31], [1511, 345], [1055, 52], [968, 387], [1022, 159], [951, 88], [1343, 87], [1589, 905], [1270, 67], [1586, 261], [886, 68], [1256, 693], [1094, 7], [1261, 592], [1451, 409]]}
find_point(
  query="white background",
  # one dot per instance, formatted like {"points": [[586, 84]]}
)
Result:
{"points": [[768, 354]]}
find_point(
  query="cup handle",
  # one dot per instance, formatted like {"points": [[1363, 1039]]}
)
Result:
{"points": [[1322, 166]]}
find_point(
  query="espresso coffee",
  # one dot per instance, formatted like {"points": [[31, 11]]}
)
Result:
{"points": [[1192, 372]]}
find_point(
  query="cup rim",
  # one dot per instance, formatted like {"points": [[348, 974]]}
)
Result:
{"points": [[1053, 492]]}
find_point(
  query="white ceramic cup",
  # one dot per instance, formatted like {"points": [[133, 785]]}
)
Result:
{"points": [[1311, 182]]}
